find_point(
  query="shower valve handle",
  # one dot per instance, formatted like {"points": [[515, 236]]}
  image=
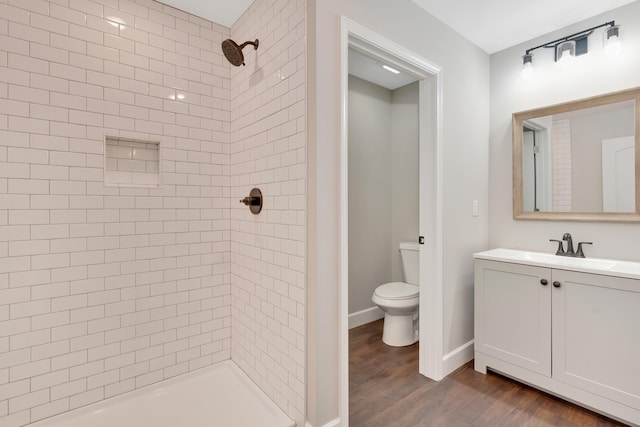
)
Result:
{"points": [[254, 200], [250, 201]]}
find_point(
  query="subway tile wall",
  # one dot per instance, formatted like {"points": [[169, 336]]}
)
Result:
{"points": [[107, 289], [561, 165], [268, 150]]}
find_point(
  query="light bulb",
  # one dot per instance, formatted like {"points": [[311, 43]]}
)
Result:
{"points": [[527, 71], [566, 53], [612, 41]]}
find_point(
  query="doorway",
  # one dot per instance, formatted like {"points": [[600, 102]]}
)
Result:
{"points": [[430, 217]]}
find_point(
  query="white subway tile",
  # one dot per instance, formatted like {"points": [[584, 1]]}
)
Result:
{"points": [[69, 43], [49, 172], [30, 33], [28, 186], [87, 258], [85, 314], [66, 332], [109, 216], [68, 187], [14, 232], [49, 320], [31, 308], [104, 270], [49, 409], [50, 53], [67, 303], [68, 245], [20, 372], [105, 297], [118, 308], [104, 324], [49, 261], [86, 202], [49, 379], [132, 371], [68, 360], [49, 202], [49, 231], [68, 389], [13, 389], [17, 326], [67, 71], [29, 278], [103, 379], [50, 290], [14, 358], [29, 247], [86, 230], [86, 285], [87, 342], [14, 201]]}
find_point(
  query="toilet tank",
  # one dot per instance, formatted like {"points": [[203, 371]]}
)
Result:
{"points": [[409, 253]]}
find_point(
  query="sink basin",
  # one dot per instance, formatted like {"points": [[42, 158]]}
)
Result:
{"points": [[608, 267], [568, 261]]}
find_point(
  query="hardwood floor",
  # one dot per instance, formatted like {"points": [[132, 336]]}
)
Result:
{"points": [[386, 390]]}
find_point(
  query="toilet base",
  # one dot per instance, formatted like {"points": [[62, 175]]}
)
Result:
{"points": [[400, 331]]}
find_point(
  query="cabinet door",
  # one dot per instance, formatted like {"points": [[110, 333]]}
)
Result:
{"points": [[513, 314], [596, 342]]}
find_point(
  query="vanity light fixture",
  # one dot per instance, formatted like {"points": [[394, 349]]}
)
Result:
{"points": [[393, 70], [567, 48]]}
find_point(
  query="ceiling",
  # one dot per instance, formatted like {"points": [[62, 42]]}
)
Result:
{"points": [[370, 69], [223, 12], [493, 25]]}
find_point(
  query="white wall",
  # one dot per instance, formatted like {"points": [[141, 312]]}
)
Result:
{"points": [[383, 185], [404, 172], [592, 74], [466, 113], [370, 179]]}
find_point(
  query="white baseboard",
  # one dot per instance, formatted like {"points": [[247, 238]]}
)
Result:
{"points": [[456, 358], [365, 316], [332, 423]]}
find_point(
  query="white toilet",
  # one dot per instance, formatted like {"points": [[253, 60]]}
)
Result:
{"points": [[399, 301]]}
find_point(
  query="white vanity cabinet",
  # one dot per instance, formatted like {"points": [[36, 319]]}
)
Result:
{"points": [[513, 314], [568, 326]]}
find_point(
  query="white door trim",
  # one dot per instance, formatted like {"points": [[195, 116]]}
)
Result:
{"points": [[431, 199]]}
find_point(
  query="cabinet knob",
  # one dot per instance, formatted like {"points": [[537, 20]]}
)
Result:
{"points": [[556, 284], [543, 282]]}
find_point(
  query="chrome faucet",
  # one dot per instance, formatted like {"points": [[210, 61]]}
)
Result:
{"points": [[569, 252]]}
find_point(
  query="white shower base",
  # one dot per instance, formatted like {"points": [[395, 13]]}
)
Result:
{"points": [[217, 396]]}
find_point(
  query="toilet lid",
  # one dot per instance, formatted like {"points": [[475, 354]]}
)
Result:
{"points": [[397, 290]]}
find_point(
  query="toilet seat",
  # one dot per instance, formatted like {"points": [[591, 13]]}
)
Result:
{"points": [[397, 291]]}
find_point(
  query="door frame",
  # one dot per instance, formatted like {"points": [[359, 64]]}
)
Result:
{"points": [[431, 356]]}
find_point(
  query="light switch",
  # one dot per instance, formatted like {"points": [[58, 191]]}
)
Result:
{"points": [[475, 209]]}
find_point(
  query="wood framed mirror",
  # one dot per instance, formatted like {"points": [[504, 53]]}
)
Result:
{"points": [[579, 161]]}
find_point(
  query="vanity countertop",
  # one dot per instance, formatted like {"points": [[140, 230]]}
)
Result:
{"points": [[608, 267]]}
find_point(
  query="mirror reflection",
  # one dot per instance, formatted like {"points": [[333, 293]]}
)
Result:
{"points": [[579, 160]]}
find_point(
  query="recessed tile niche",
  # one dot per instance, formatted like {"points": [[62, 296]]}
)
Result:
{"points": [[131, 162]]}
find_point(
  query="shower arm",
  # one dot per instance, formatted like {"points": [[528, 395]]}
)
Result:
{"points": [[254, 43]]}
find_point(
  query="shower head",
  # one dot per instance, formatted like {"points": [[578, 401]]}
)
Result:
{"points": [[233, 52]]}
